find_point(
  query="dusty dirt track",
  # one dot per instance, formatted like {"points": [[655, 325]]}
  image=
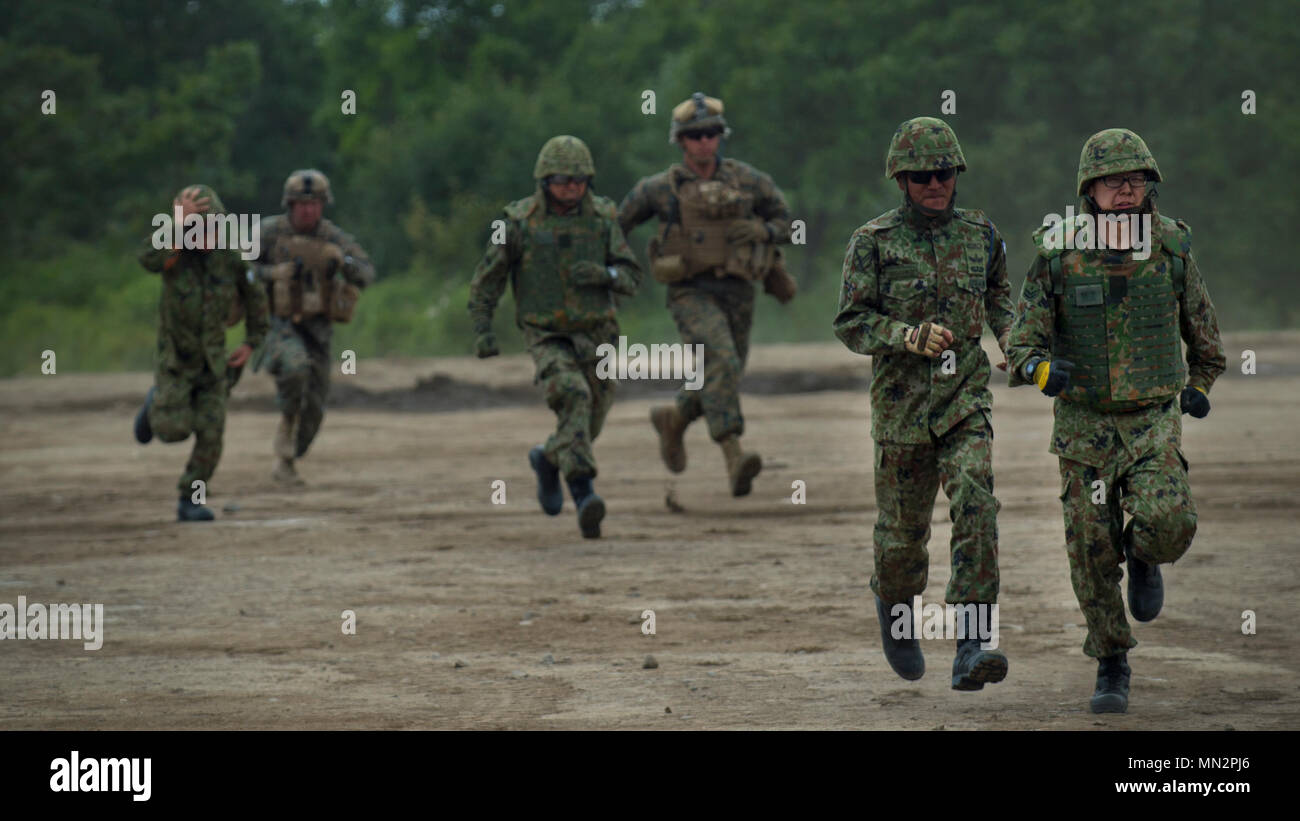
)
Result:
{"points": [[763, 614]]}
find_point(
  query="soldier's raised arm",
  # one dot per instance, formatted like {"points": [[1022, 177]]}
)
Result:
{"points": [[156, 260], [860, 324]]}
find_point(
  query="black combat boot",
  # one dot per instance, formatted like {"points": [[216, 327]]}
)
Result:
{"points": [[549, 492], [591, 508], [903, 655], [187, 511], [1111, 695], [143, 432], [1146, 590], [974, 666]]}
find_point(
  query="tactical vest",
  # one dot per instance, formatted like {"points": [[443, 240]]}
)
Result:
{"points": [[1118, 324], [695, 240], [310, 283], [545, 296]]}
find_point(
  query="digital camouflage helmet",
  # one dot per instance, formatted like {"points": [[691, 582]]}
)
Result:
{"points": [[696, 114], [923, 144], [564, 154], [1114, 151], [306, 184]]}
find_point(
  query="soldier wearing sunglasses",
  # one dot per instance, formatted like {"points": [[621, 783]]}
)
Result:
{"points": [[920, 283], [721, 221]]}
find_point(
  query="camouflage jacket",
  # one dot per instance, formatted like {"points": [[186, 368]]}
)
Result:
{"points": [[1091, 436], [502, 262], [653, 197], [360, 271], [904, 269], [199, 291]]}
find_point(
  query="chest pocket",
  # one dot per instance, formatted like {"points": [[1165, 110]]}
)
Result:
{"points": [[965, 309], [902, 293]]}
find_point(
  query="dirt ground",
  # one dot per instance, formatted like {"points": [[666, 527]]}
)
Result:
{"points": [[476, 615]]}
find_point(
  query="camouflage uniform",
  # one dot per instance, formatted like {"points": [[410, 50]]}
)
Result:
{"points": [[931, 427], [563, 317], [1118, 422], [200, 292], [714, 308], [297, 354]]}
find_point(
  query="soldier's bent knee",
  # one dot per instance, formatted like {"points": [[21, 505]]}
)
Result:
{"points": [[1169, 535]]}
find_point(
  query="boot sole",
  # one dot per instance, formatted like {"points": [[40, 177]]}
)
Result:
{"points": [[1109, 704], [590, 516], [676, 466], [537, 461], [749, 468], [990, 669], [1148, 610]]}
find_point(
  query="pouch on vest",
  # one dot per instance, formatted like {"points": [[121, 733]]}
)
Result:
{"points": [[665, 268], [315, 263], [282, 288], [343, 300]]}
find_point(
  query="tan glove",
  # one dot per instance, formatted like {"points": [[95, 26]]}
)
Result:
{"points": [[927, 339], [742, 232], [780, 284]]}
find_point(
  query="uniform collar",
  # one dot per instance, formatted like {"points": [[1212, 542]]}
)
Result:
{"points": [[915, 218]]}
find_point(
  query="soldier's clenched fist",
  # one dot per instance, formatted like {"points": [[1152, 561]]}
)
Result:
{"points": [[928, 339]]}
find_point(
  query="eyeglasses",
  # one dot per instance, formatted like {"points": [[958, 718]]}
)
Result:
{"points": [[709, 133], [566, 179], [923, 177], [1137, 181]]}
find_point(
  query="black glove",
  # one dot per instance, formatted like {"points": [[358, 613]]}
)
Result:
{"points": [[1193, 401], [1051, 376]]}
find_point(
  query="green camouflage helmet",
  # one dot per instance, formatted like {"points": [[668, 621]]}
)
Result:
{"points": [[1114, 151], [696, 114], [564, 155], [216, 206], [923, 144], [306, 184]]}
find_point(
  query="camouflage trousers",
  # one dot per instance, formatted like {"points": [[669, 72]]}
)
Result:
{"points": [[908, 478], [566, 371], [300, 364], [1153, 491], [719, 314], [185, 404]]}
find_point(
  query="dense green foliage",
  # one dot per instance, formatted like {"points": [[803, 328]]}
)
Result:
{"points": [[453, 100]]}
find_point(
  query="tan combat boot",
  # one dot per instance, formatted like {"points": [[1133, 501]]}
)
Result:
{"points": [[670, 425], [286, 437], [284, 472], [742, 467]]}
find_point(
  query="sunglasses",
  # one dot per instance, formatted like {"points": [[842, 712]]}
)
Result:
{"points": [[566, 179], [702, 135], [923, 177]]}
